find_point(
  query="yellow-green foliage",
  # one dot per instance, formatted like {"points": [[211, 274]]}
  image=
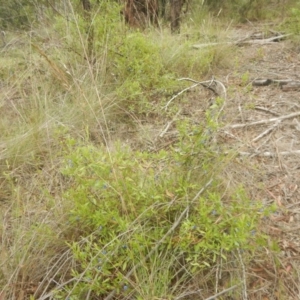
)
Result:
{"points": [[125, 202], [292, 22], [243, 10], [140, 71]]}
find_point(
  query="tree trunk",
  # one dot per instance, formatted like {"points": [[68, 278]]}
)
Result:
{"points": [[175, 6], [86, 5]]}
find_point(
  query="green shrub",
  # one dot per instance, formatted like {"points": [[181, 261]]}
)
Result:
{"points": [[16, 14], [141, 72], [241, 10], [292, 23], [126, 213]]}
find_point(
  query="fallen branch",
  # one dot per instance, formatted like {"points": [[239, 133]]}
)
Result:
{"points": [[266, 121], [269, 154], [199, 46], [266, 131], [280, 82], [178, 94], [266, 110], [207, 84], [270, 40]]}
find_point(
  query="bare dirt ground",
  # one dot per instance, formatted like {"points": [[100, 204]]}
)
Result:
{"points": [[268, 153]]}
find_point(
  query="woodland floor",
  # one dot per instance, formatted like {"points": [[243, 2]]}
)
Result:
{"points": [[267, 160], [268, 154], [273, 169]]}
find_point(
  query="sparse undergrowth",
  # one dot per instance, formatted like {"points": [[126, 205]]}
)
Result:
{"points": [[86, 216]]}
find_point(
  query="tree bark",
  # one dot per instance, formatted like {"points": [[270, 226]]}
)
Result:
{"points": [[86, 5], [175, 6]]}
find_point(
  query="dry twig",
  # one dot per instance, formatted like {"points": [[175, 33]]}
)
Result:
{"points": [[270, 154], [270, 40], [180, 93], [265, 121], [207, 84], [266, 110], [266, 131]]}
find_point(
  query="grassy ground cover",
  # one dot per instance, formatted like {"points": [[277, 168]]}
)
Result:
{"points": [[94, 204]]}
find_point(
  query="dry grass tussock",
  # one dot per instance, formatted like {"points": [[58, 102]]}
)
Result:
{"points": [[42, 104]]}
